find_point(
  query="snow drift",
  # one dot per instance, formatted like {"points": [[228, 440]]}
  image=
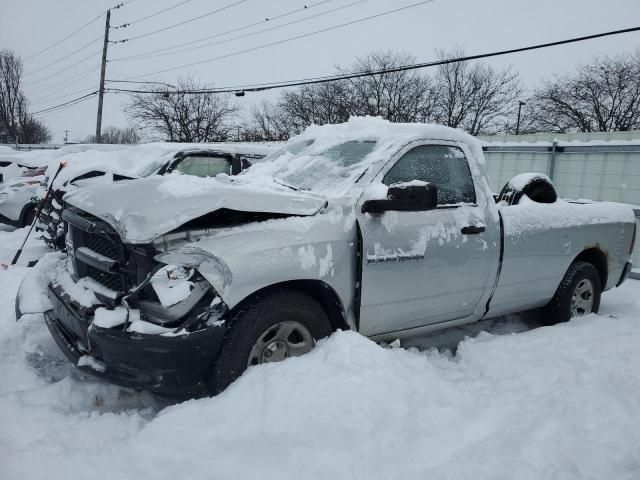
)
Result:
{"points": [[555, 402]]}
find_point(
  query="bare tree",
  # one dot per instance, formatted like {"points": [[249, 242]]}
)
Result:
{"points": [[474, 96], [401, 96], [316, 104], [267, 122], [471, 96], [115, 135], [12, 101], [603, 96], [15, 121], [183, 117]]}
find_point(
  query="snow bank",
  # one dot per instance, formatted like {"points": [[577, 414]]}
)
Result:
{"points": [[555, 402], [11, 240]]}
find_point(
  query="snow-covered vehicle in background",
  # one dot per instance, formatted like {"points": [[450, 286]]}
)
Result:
{"points": [[17, 165], [23, 173], [17, 197], [20, 175], [177, 284], [90, 168]]}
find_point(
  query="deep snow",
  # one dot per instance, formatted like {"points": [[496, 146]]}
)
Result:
{"points": [[556, 402]]}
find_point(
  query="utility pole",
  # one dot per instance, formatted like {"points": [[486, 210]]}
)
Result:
{"points": [[66, 136], [102, 70], [520, 104]]}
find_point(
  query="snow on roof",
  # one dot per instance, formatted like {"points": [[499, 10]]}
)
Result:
{"points": [[377, 128], [333, 173]]}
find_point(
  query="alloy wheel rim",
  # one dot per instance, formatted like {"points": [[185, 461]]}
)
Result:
{"points": [[281, 341], [582, 298]]}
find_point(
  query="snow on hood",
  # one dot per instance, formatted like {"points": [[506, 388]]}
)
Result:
{"points": [[143, 209], [133, 161]]}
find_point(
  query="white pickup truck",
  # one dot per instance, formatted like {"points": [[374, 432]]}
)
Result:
{"points": [[177, 284]]}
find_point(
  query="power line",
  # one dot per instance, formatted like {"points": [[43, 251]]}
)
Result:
{"points": [[414, 66], [146, 83], [63, 39], [58, 97], [212, 12], [209, 37], [66, 104], [55, 62], [246, 35], [138, 20], [78, 30], [286, 40], [65, 69], [68, 81]]}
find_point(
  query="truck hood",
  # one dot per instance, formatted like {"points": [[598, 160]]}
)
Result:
{"points": [[143, 209]]}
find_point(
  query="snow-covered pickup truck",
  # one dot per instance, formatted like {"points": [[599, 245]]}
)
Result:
{"points": [[178, 284]]}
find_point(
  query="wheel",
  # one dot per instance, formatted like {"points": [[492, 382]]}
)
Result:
{"points": [[578, 294], [272, 328]]}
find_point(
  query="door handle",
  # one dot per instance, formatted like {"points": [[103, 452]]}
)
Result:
{"points": [[472, 230]]}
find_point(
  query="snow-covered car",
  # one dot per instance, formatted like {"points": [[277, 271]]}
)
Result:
{"points": [[90, 168], [13, 166], [17, 198], [177, 284]]}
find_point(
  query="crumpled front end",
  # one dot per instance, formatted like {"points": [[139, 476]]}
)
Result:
{"points": [[121, 315]]}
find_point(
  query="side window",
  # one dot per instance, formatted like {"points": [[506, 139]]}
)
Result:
{"points": [[442, 165], [204, 166]]}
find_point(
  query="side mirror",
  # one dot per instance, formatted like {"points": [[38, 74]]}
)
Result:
{"points": [[405, 198]]}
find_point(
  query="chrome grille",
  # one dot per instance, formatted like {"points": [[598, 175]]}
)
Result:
{"points": [[112, 281], [100, 238], [100, 244]]}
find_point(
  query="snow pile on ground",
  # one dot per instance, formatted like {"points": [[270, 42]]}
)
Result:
{"points": [[554, 402], [11, 239]]}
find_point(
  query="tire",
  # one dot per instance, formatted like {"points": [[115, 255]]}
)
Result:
{"points": [[29, 216], [255, 334], [582, 280], [538, 189]]}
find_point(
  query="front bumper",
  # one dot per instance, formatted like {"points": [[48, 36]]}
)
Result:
{"points": [[175, 366]]}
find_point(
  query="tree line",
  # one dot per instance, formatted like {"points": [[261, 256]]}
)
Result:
{"points": [[601, 96]]}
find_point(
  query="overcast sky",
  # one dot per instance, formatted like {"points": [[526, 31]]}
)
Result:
{"points": [[29, 26]]}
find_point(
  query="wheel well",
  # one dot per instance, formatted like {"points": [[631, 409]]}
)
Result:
{"points": [[596, 257], [321, 292], [25, 210]]}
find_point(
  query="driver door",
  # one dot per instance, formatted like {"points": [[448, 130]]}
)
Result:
{"points": [[419, 268]]}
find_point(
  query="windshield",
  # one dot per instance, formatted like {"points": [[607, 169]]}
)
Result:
{"points": [[311, 168]]}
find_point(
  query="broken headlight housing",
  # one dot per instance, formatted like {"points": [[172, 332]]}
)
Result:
{"points": [[177, 297]]}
